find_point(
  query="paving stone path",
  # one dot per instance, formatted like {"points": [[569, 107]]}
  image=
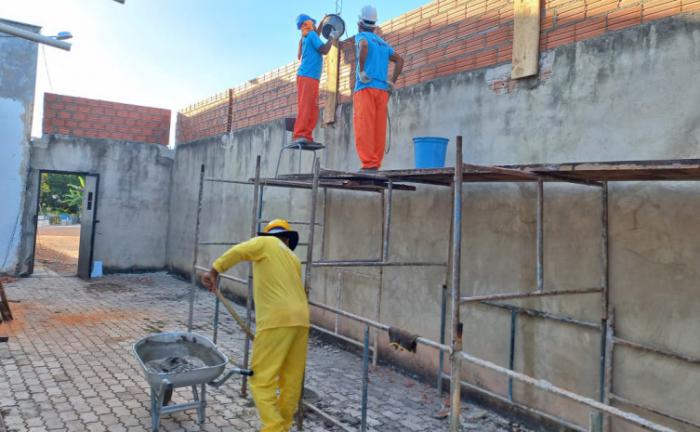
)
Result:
{"points": [[69, 366]]}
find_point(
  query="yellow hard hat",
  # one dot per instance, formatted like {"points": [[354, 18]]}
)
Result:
{"points": [[281, 228]]}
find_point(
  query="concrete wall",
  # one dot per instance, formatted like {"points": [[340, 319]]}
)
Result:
{"points": [[133, 196], [18, 59], [623, 96]]}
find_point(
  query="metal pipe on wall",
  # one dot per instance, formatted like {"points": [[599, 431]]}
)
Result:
{"points": [[543, 315], [365, 381], [540, 235], [444, 294], [534, 294], [217, 304], [511, 351], [193, 287], [377, 325], [654, 411], [387, 205], [309, 266], [551, 388], [443, 325], [605, 249], [608, 369], [249, 299]]}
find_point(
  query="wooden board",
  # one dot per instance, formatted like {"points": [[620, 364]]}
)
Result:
{"points": [[526, 38], [650, 170], [331, 86]]}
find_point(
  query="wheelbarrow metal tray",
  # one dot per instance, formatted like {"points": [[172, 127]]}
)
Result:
{"points": [[180, 344]]}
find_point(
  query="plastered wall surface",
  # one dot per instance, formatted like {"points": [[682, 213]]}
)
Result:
{"points": [[133, 196], [17, 77], [621, 96]]}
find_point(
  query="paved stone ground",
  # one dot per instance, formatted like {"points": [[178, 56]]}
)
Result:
{"points": [[69, 365]]}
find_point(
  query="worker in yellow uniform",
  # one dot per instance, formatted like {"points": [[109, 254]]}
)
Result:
{"points": [[281, 320]]}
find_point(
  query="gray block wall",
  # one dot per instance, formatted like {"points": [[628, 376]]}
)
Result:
{"points": [[624, 96], [18, 58], [133, 197]]}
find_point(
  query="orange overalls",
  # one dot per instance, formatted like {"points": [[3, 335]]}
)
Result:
{"points": [[371, 99], [369, 118], [308, 77], [307, 108]]}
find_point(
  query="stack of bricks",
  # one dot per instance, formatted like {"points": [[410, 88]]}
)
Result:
{"points": [[441, 38], [89, 118]]}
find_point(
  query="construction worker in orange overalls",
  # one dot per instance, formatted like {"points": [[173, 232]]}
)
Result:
{"points": [[281, 320], [372, 90], [311, 50]]}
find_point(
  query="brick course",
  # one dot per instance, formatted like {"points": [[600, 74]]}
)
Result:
{"points": [[90, 118], [441, 38]]}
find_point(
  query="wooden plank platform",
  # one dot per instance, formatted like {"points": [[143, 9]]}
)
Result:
{"points": [[576, 172], [304, 181]]}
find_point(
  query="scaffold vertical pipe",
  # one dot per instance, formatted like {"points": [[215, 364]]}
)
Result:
{"points": [[511, 351], [443, 324], [605, 303], [193, 287], [249, 299], [455, 355], [540, 235], [217, 304], [365, 381], [605, 282], [443, 300], [312, 226], [307, 272], [609, 359], [387, 205]]}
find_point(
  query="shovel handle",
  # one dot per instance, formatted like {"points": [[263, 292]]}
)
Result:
{"points": [[242, 324]]}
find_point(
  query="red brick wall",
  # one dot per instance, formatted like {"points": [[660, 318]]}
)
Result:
{"points": [[440, 38], [90, 118]]}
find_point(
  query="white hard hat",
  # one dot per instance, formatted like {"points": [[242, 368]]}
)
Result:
{"points": [[368, 16]]}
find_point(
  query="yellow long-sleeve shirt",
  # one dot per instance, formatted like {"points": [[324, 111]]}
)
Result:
{"points": [[280, 300]]}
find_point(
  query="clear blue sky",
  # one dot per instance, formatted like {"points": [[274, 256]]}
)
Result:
{"points": [[170, 53]]}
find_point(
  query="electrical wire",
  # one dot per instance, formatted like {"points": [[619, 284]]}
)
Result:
{"points": [[46, 67]]}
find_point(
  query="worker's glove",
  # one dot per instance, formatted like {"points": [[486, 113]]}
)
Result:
{"points": [[390, 87], [364, 77]]}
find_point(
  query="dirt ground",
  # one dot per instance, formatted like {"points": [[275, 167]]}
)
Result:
{"points": [[57, 248]]}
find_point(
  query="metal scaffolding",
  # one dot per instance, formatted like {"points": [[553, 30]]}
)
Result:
{"points": [[385, 183]]}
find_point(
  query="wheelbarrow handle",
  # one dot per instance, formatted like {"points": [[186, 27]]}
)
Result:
{"points": [[245, 372], [232, 372]]}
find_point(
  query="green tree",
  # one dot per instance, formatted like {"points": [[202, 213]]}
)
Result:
{"points": [[74, 197]]}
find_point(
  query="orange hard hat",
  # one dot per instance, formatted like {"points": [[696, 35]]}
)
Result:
{"points": [[281, 228]]}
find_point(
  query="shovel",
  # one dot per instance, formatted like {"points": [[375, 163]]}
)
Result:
{"points": [[242, 324]]}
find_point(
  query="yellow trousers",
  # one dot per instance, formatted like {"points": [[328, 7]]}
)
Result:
{"points": [[279, 360]]}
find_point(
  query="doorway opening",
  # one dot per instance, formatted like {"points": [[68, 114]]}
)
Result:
{"points": [[65, 224]]}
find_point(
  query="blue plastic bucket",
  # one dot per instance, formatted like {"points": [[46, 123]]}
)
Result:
{"points": [[96, 269], [430, 151]]}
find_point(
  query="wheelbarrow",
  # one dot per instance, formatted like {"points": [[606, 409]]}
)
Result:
{"points": [[181, 359]]}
